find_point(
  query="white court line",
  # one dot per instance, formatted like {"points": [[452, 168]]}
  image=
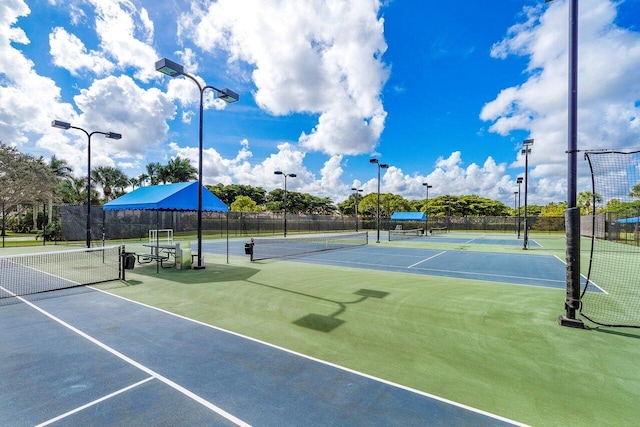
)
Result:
{"points": [[143, 368], [73, 411], [427, 259], [590, 281], [324, 362]]}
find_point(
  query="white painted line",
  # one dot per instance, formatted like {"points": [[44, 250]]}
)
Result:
{"points": [[333, 365], [427, 259], [143, 368], [73, 411]]}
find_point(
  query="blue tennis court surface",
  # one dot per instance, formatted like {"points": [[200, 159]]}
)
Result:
{"points": [[522, 269], [475, 239], [90, 358]]}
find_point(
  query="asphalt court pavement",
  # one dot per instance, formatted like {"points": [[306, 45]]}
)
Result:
{"points": [[90, 358]]}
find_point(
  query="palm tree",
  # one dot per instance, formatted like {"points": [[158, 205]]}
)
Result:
{"points": [[109, 178], [180, 170], [72, 190], [62, 171], [60, 167], [585, 199], [153, 169]]}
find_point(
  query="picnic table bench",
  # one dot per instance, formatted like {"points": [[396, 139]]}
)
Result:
{"points": [[159, 253]]}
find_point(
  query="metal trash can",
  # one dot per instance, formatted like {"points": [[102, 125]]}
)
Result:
{"points": [[129, 260], [248, 248]]}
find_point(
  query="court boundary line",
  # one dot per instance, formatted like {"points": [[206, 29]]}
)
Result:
{"points": [[405, 270], [88, 405], [324, 362], [582, 276], [140, 366], [427, 259]]}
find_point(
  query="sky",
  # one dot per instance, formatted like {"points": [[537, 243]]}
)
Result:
{"points": [[442, 92]]}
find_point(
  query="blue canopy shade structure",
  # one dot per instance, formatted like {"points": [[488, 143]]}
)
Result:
{"points": [[182, 196], [632, 220], [408, 216]]}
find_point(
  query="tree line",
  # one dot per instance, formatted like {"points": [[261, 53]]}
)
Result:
{"points": [[29, 180]]}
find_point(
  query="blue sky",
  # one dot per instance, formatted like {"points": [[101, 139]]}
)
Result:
{"points": [[444, 92]]}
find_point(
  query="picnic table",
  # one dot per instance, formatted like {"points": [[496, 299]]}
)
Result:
{"points": [[160, 254]]}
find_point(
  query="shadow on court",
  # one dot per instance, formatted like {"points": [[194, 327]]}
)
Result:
{"points": [[321, 322], [212, 273]]}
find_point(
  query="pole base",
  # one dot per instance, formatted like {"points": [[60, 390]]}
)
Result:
{"points": [[199, 267], [570, 323]]}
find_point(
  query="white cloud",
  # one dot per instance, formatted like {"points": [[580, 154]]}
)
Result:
{"points": [[608, 91], [321, 58], [69, 52], [118, 104], [126, 35], [23, 115]]}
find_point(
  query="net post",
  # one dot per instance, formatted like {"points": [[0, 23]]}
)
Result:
{"points": [[121, 262], [572, 299], [366, 237]]}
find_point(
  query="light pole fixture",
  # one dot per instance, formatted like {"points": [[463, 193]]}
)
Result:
{"points": [[355, 201], [173, 69], [515, 207], [527, 143], [290, 175], [426, 203], [380, 166], [111, 135], [519, 181], [572, 213]]}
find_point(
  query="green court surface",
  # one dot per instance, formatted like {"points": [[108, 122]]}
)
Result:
{"points": [[492, 346]]}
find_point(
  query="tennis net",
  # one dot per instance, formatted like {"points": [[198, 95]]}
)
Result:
{"points": [[265, 248], [43, 272], [399, 234]]}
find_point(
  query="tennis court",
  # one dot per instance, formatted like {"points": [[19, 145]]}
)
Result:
{"points": [[381, 334]]}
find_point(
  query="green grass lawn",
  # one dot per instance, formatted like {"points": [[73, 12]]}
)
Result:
{"points": [[496, 347]]}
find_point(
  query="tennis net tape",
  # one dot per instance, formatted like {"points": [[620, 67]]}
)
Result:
{"points": [[405, 234], [265, 248], [43, 272]]}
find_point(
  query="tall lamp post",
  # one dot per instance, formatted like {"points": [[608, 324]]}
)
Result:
{"points": [[426, 203], [515, 207], [290, 175], [572, 213], [527, 143], [380, 166], [519, 181], [355, 201], [111, 135], [173, 69]]}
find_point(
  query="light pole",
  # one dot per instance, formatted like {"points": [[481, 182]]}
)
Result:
{"points": [[380, 166], [291, 175], [519, 181], [572, 213], [173, 69], [112, 135], [355, 201], [426, 203], [527, 143], [515, 207]]}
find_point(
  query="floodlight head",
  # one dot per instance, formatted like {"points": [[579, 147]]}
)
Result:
{"points": [[170, 68], [519, 180], [515, 192], [527, 142], [292, 175], [427, 185], [373, 161], [228, 96], [383, 165], [278, 173], [113, 135], [60, 124]]}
